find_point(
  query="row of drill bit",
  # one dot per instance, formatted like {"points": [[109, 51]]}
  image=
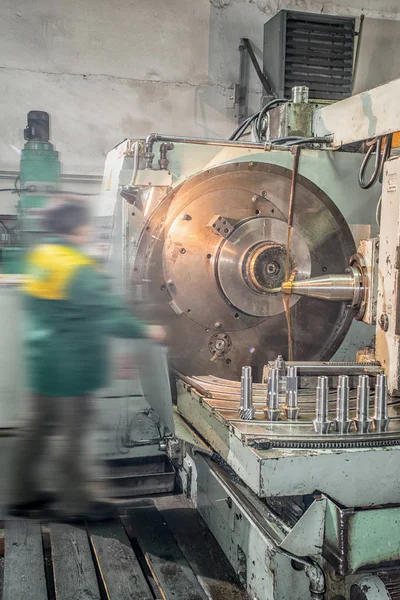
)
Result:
{"points": [[322, 424]]}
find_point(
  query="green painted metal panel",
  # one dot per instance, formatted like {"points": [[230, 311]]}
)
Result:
{"points": [[373, 537]]}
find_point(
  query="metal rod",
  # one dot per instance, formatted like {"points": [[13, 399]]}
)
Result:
{"points": [[357, 57], [342, 421], [295, 171], [246, 410], [380, 418], [262, 76], [332, 368], [321, 421], [272, 411], [291, 408], [362, 421], [286, 302]]}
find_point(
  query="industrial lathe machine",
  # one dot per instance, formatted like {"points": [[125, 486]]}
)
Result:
{"points": [[274, 266]]}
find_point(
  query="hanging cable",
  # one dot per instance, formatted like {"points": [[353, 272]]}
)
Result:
{"points": [[239, 131], [380, 159], [263, 112], [255, 120], [386, 154]]}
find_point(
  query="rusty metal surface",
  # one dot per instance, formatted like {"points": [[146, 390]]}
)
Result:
{"points": [[176, 267]]}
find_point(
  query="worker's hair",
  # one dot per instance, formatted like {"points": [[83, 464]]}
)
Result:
{"points": [[64, 214]]}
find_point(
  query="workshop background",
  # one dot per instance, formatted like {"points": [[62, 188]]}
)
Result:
{"points": [[105, 70]]}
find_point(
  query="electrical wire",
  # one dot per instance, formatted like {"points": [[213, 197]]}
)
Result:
{"points": [[239, 131], [310, 140], [264, 111], [255, 117], [380, 158], [377, 212]]}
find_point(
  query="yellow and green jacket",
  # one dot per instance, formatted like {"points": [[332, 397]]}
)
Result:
{"points": [[70, 311]]}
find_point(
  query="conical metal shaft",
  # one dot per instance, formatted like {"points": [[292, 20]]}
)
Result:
{"points": [[342, 421], [246, 410], [272, 411], [321, 421], [291, 408], [362, 421], [380, 419], [347, 287]]}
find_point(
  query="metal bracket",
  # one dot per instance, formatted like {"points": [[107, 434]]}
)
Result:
{"points": [[221, 226]]}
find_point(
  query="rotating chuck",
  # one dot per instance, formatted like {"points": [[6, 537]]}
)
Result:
{"points": [[291, 408], [380, 418], [362, 421], [342, 421], [321, 421], [272, 411], [246, 410]]}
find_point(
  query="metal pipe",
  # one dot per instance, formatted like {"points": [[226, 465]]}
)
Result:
{"points": [[156, 137], [163, 160], [272, 411], [362, 421], [339, 288], [291, 408], [321, 421], [380, 418], [246, 410], [342, 421]]}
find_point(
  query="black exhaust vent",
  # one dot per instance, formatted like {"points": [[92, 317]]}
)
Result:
{"points": [[310, 49]]}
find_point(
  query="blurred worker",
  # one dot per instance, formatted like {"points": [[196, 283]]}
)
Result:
{"points": [[69, 312]]}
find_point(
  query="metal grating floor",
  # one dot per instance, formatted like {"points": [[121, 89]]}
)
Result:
{"points": [[157, 549]]}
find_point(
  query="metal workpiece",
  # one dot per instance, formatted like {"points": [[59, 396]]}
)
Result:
{"points": [[235, 280], [321, 422], [362, 421], [272, 411], [300, 94], [340, 288], [342, 421], [291, 407], [280, 364], [246, 410], [380, 418]]}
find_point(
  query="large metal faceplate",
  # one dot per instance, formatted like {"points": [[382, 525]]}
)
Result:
{"points": [[213, 289]]}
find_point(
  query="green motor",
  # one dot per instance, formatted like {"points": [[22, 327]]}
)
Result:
{"points": [[39, 171], [39, 176]]}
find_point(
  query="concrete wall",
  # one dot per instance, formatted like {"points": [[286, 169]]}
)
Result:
{"points": [[108, 69]]}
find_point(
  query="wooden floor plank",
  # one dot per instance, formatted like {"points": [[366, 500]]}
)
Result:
{"points": [[24, 576], [74, 570], [201, 549], [120, 571], [166, 561]]}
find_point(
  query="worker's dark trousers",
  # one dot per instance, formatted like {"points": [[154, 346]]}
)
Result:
{"points": [[69, 422]]}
